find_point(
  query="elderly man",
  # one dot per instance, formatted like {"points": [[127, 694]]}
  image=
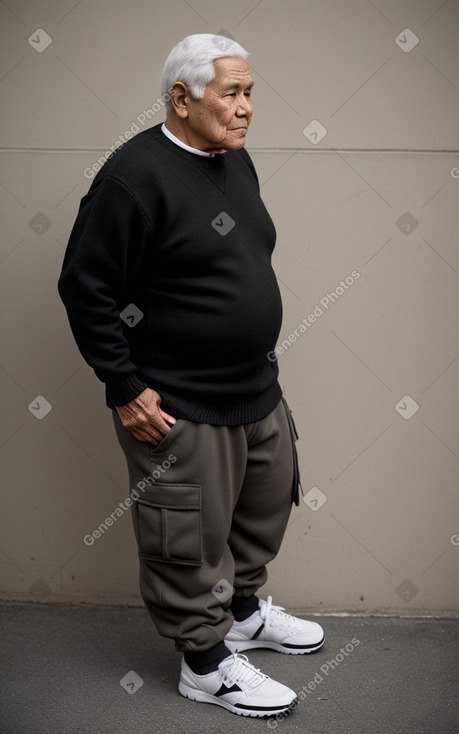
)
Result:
{"points": [[172, 300]]}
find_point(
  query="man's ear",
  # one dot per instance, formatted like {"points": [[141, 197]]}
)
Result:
{"points": [[179, 96]]}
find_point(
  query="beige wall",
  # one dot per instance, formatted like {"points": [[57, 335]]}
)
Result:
{"points": [[379, 526]]}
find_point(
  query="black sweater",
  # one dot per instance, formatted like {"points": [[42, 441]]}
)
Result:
{"points": [[168, 284]]}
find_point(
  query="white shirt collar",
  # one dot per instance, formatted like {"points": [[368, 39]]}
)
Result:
{"points": [[183, 145]]}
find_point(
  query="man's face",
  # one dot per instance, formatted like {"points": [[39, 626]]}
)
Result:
{"points": [[218, 122]]}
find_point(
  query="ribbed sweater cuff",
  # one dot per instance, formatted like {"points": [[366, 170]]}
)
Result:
{"points": [[122, 392]]}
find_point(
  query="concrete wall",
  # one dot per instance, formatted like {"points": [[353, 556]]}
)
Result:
{"points": [[355, 139]]}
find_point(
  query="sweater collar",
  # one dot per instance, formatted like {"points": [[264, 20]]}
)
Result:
{"points": [[211, 163], [183, 145]]}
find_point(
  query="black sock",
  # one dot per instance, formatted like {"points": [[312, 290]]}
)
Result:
{"points": [[243, 607], [206, 661]]}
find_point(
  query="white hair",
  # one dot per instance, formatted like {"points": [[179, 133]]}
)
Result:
{"points": [[191, 62]]}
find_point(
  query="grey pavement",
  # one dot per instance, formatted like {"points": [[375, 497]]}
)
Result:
{"points": [[105, 670]]}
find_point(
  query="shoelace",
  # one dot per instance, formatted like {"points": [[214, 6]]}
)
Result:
{"points": [[240, 671], [283, 619]]}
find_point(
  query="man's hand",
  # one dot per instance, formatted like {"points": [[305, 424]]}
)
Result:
{"points": [[144, 418]]}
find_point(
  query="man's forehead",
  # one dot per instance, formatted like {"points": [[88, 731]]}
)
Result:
{"points": [[232, 71]]}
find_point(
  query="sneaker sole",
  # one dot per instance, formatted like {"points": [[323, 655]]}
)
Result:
{"points": [[239, 709], [240, 645]]}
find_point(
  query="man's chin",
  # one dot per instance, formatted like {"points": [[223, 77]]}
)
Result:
{"points": [[232, 141], [236, 140], [236, 146]]}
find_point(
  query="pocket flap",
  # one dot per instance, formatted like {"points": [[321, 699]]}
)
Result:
{"points": [[172, 496]]}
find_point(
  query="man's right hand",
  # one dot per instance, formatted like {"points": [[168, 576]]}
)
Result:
{"points": [[144, 418]]}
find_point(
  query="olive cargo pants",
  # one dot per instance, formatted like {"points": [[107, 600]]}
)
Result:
{"points": [[210, 508]]}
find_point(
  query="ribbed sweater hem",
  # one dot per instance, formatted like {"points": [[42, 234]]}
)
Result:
{"points": [[234, 412]]}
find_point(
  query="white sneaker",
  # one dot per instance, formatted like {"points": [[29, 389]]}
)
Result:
{"points": [[238, 687], [272, 627]]}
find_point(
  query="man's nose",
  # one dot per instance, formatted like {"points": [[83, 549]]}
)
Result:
{"points": [[244, 106]]}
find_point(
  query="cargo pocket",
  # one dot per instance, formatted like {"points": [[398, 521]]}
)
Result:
{"points": [[168, 519], [296, 486]]}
